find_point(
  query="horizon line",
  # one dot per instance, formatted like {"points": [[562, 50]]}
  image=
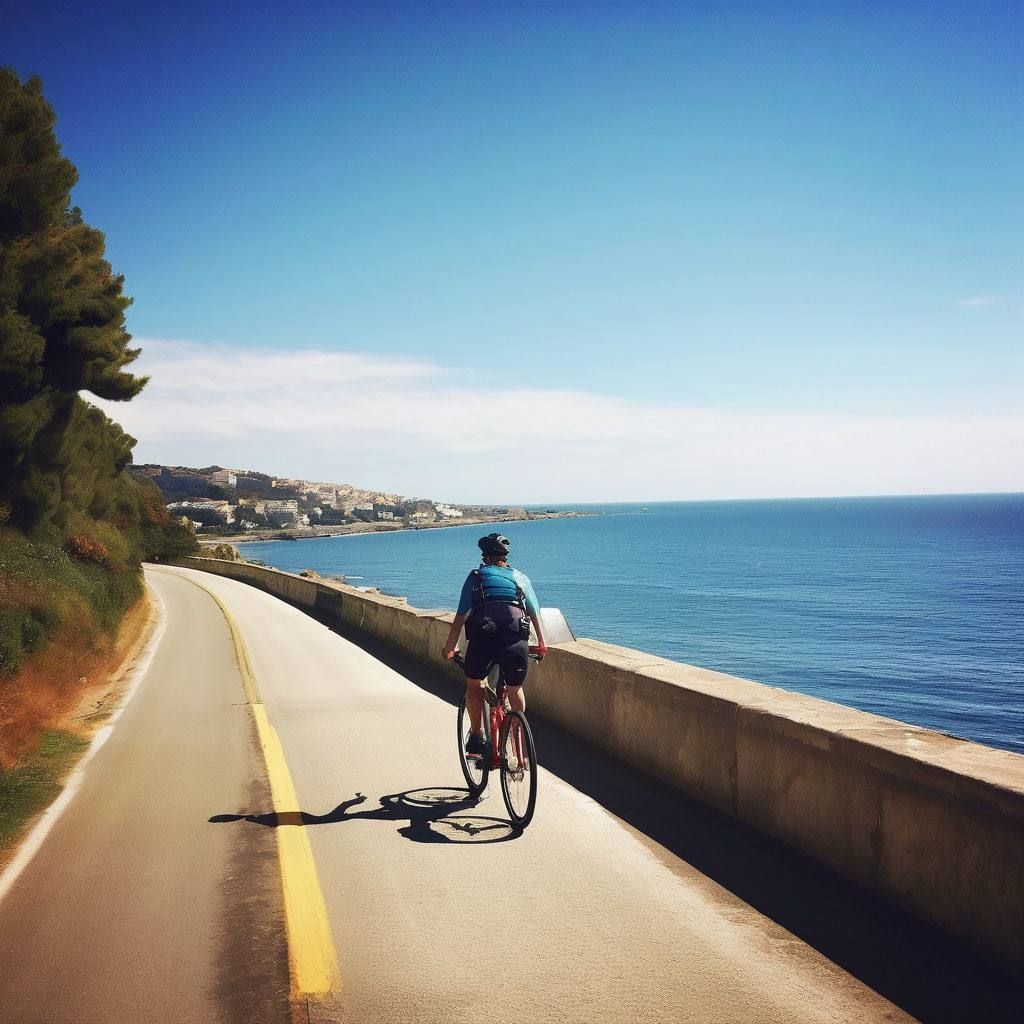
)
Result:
{"points": [[791, 497]]}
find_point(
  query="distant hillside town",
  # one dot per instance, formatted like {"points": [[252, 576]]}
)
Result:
{"points": [[216, 500]]}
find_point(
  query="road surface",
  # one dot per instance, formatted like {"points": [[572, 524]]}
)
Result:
{"points": [[157, 896]]}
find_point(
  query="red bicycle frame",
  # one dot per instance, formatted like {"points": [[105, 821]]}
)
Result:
{"points": [[497, 711]]}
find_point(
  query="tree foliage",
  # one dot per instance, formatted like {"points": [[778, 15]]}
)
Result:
{"points": [[62, 319], [62, 333]]}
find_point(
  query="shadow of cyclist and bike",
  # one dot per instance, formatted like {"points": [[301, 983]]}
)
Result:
{"points": [[433, 815]]}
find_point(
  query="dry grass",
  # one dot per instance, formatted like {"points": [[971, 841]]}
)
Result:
{"points": [[49, 710], [56, 687]]}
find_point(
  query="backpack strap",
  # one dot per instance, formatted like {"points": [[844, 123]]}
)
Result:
{"points": [[478, 588]]}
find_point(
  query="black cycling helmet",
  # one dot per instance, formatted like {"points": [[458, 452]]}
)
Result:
{"points": [[494, 545]]}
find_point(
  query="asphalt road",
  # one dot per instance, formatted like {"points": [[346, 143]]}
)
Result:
{"points": [[157, 895]]}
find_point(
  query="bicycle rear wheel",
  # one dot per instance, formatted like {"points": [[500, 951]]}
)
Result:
{"points": [[475, 771], [518, 768]]}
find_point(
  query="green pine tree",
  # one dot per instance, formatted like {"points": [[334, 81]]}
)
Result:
{"points": [[62, 309], [74, 525]]}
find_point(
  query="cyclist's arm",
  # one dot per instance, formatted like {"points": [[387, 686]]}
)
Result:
{"points": [[465, 607], [542, 648], [453, 636]]}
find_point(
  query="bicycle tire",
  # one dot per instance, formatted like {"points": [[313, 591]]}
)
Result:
{"points": [[518, 768], [475, 773]]}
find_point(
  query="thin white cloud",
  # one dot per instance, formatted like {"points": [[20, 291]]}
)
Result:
{"points": [[980, 301], [406, 425]]}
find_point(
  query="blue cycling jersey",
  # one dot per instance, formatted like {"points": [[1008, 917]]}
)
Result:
{"points": [[499, 584]]}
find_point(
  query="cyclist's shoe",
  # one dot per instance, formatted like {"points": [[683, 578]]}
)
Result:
{"points": [[476, 748]]}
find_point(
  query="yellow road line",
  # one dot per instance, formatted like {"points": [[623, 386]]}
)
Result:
{"points": [[311, 954], [310, 945]]}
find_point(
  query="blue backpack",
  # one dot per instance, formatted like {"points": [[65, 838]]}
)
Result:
{"points": [[498, 589]]}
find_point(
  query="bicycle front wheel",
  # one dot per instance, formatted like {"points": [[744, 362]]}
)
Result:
{"points": [[474, 770], [518, 768]]}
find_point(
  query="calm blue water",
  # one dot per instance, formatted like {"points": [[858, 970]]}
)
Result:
{"points": [[908, 607]]}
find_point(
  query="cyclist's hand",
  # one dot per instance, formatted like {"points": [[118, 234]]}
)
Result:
{"points": [[540, 650], [448, 652]]}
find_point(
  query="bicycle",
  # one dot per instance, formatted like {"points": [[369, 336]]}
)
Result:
{"points": [[514, 755]]}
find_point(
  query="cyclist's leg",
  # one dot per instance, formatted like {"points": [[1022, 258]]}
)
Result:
{"points": [[478, 664], [475, 703], [515, 660]]}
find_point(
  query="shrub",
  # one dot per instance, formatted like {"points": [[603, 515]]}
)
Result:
{"points": [[80, 545]]}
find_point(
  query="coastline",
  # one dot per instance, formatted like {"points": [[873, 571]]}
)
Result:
{"points": [[317, 532]]}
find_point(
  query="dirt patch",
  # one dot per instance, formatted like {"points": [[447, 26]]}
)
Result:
{"points": [[102, 692]]}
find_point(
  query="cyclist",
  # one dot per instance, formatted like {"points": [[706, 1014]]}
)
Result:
{"points": [[497, 605]]}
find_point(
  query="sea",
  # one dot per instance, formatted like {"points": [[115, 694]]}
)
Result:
{"points": [[908, 607]]}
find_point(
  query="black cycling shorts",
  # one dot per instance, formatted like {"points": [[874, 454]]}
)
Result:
{"points": [[512, 655]]}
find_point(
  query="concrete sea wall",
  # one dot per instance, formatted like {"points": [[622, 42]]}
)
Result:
{"points": [[932, 823]]}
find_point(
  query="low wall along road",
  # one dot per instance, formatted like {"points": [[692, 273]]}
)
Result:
{"points": [[933, 824]]}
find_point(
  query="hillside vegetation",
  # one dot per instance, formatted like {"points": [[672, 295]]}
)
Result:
{"points": [[74, 526]]}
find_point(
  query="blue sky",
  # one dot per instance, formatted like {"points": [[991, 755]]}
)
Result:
{"points": [[731, 210]]}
